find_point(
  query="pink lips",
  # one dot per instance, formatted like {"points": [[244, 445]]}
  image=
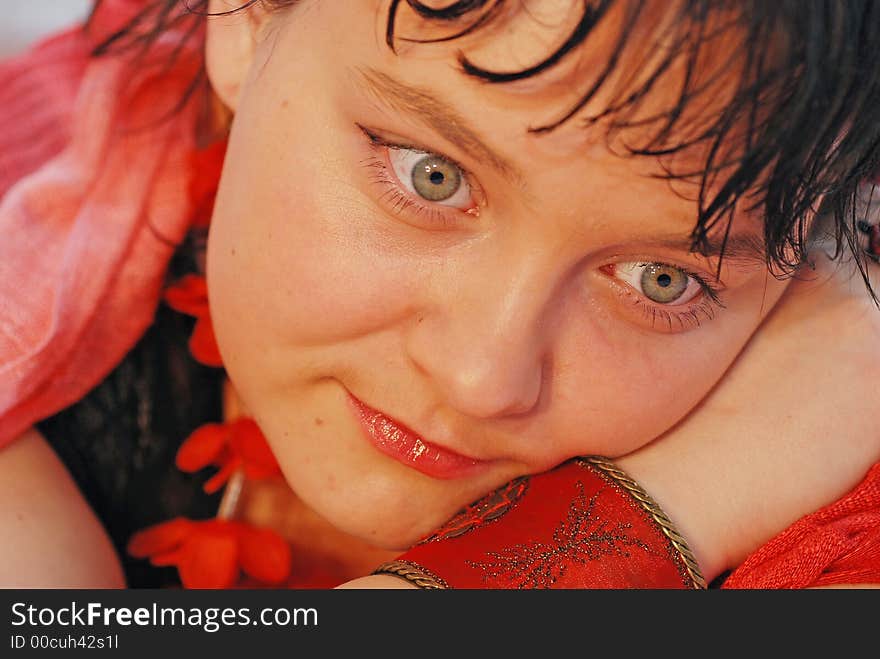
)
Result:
{"points": [[402, 444]]}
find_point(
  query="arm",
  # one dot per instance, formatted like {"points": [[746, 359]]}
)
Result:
{"points": [[54, 538]]}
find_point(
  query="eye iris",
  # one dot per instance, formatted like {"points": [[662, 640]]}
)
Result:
{"points": [[663, 283], [435, 179]]}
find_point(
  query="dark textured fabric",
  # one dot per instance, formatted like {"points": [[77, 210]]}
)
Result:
{"points": [[120, 440]]}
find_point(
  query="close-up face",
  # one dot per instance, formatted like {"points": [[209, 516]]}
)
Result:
{"points": [[419, 299]]}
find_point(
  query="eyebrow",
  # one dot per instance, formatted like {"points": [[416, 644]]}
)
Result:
{"points": [[439, 116], [745, 248]]}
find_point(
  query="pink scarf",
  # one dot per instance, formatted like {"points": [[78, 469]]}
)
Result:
{"points": [[93, 200]]}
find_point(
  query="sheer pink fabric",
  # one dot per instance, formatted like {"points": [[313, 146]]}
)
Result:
{"points": [[94, 180]]}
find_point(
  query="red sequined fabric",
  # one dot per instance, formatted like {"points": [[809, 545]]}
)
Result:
{"points": [[572, 527]]}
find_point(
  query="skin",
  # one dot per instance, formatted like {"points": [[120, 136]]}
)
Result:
{"points": [[505, 336]]}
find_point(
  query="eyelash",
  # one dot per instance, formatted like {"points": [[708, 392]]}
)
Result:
{"points": [[401, 201], [707, 306]]}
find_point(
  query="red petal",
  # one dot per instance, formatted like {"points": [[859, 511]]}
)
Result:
{"points": [[248, 441], [207, 165], [188, 295], [258, 472], [203, 345], [219, 479], [160, 538], [210, 557], [265, 555], [203, 447], [172, 557], [201, 217]]}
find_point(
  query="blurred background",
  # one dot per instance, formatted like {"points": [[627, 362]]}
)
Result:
{"points": [[25, 21]]}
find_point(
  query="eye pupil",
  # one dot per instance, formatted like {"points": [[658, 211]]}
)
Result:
{"points": [[664, 280], [435, 178]]}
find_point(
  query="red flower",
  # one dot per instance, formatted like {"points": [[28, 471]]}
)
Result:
{"points": [[189, 295], [213, 553], [238, 444], [207, 165]]}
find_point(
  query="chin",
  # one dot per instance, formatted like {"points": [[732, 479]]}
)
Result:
{"points": [[380, 512], [390, 527]]}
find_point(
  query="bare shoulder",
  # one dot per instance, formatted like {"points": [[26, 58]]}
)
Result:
{"points": [[54, 538]]}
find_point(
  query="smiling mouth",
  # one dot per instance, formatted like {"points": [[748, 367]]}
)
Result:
{"points": [[399, 442]]}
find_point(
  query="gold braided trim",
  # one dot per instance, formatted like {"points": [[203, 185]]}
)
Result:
{"points": [[638, 493], [414, 573]]}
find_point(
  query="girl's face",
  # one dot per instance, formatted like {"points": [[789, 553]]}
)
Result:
{"points": [[419, 300]]}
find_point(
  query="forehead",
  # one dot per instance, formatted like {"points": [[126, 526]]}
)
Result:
{"points": [[646, 78], [631, 76], [614, 48], [424, 79], [634, 77]]}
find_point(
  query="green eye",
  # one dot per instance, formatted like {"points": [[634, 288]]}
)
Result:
{"points": [[662, 283], [435, 179]]}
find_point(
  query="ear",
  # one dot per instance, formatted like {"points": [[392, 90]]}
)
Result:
{"points": [[230, 44]]}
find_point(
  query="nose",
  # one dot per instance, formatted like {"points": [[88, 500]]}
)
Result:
{"points": [[483, 347]]}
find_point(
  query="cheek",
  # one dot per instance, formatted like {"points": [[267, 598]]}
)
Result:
{"points": [[291, 257], [618, 391]]}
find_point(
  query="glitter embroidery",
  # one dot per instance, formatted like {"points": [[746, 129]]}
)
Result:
{"points": [[488, 509], [581, 537]]}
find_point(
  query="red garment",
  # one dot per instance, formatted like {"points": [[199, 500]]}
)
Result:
{"points": [[575, 526], [90, 216], [569, 528]]}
